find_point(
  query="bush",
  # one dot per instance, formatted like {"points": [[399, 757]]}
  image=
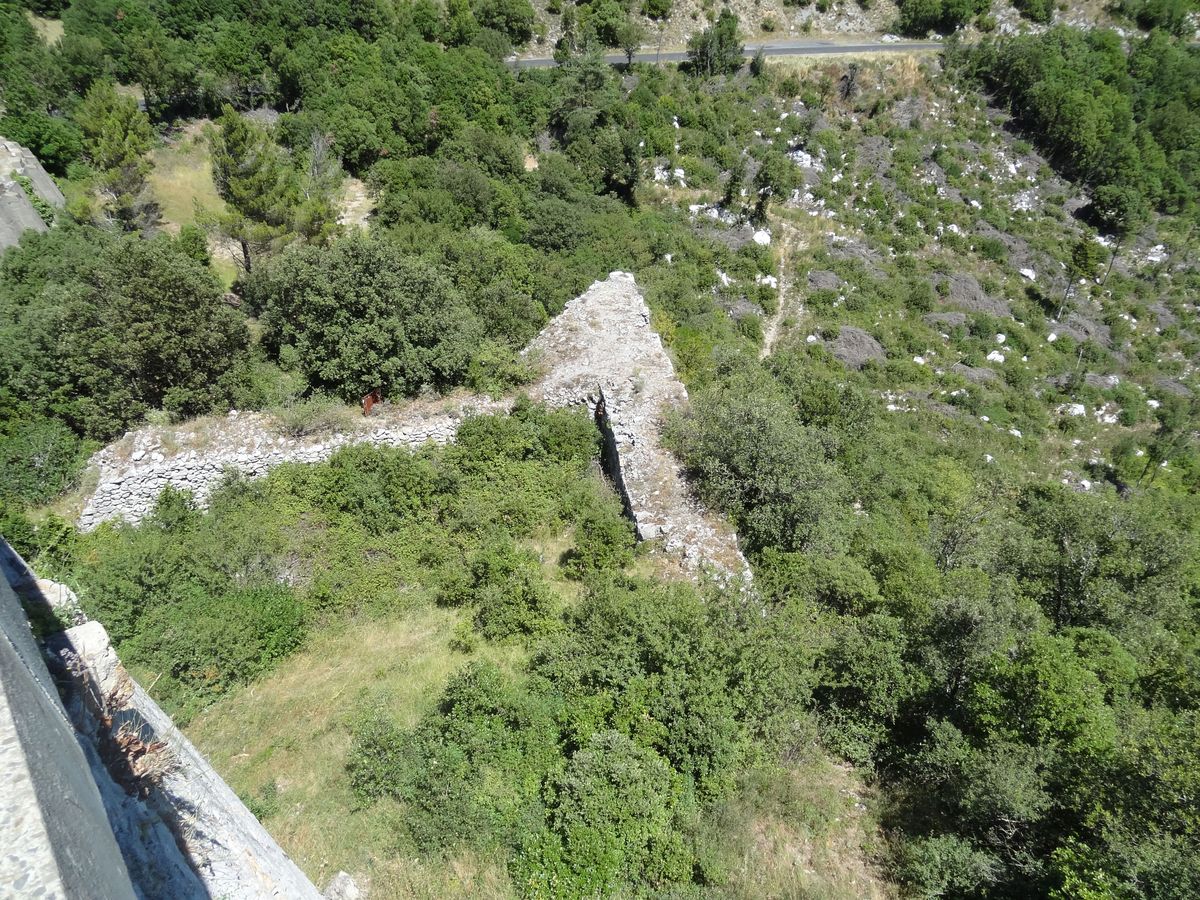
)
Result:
{"points": [[113, 328], [1036, 10], [376, 764], [204, 646], [509, 593], [361, 315], [496, 369], [39, 459], [611, 825], [918, 17], [472, 771], [318, 414], [657, 9], [994, 249], [17, 529], [946, 865], [751, 458], [604, 541]]}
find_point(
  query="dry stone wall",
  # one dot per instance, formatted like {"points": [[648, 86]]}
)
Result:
{"points": [[601, 351], [196, 457]]}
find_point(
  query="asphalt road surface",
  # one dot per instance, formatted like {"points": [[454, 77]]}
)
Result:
{"points": [[778, 48]]}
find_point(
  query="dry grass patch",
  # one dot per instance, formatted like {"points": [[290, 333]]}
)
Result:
{"points": [[314, 416], [355, 204], [69, 505], [49, 30], [283, 744], [905, 62], [182, 177], [805, 831], [182, 183]]}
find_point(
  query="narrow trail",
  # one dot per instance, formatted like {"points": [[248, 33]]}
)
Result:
{"points": [[790, 241]]}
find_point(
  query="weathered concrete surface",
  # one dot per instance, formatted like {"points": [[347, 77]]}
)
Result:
{"points": [[600, 351], [183, 830], [55, 839], [17, 213], [163, 820]]}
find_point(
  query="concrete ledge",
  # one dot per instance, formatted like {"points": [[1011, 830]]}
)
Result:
{"points": [[56, 837], [101, 796]]}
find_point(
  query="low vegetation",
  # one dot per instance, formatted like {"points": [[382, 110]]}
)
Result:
{"points": [[965, 475]]}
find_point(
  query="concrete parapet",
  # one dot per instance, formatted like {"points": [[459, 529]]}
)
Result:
{"points": [[101, 796], [55, 837]]}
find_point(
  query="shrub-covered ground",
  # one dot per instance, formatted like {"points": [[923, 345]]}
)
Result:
{"points": [[965, 474]]}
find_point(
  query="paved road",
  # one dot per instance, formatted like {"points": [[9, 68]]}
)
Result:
{"points": [[778, 48]]}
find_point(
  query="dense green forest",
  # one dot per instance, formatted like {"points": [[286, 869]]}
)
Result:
{"points": [[964, 476], [919, 17]]}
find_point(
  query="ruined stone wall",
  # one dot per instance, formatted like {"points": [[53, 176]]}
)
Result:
{"points": [[196, 457], [600, 351]]}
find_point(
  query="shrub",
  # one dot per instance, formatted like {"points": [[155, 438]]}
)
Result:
{"points": [[113, 328], [506, 587], [604, 541], [362, 315], [994, 249], [472, 771], [39, 459], [203, 645], [611, 825], [767, 471], [376, 761], [496, 369], [17, 529], [1036, 10], [317, 414], [947, 865]]}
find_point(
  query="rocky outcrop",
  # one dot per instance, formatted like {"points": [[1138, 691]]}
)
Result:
{"points": [[601, 351], [854, 347], [17, 212]]}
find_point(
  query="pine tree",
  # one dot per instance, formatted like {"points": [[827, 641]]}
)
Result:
{"points": [[117, 137]]}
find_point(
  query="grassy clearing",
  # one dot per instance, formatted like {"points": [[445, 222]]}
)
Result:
{"points": [[183, 185], [182, 177], [804, 831], [49, 30], [282, 743]]}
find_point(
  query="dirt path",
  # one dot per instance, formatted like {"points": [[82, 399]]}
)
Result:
{"points": [[790, 240], [355, 204]]}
